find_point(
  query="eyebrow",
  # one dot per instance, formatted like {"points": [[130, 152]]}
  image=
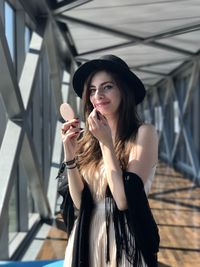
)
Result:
{"points": [[102, 83]]}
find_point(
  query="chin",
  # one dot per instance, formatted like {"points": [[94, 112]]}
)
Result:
{"points": [[103, 112]]}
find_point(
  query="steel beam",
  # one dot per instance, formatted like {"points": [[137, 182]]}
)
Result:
{"points": [[184, 127], [34, 175], [9, 87], [9, 155], [66, 5], [55, 163], [30, 69]]}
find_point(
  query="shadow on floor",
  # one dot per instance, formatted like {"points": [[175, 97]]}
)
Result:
{"points": [[160, 264]]}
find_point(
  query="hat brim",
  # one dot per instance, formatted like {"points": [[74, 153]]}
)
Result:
{"points": [[83, 72]]}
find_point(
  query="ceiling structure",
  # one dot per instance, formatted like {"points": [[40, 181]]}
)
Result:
{"points": [[155, 37]]}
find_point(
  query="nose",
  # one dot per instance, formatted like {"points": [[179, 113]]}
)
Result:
{"points": [[99, 93]]}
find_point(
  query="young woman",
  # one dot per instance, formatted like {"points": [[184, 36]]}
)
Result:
{"points": [[110, 170]]}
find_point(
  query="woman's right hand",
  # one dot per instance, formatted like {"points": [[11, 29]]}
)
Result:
{"points": [[70, 132]]}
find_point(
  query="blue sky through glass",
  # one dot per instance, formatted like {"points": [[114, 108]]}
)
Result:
{"points": [[9, 28]]}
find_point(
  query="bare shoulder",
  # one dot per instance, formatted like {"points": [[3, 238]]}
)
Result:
{"points": [[146, 132], [144, 152]]}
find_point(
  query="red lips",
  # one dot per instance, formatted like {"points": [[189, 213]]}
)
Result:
{"points": [[101, 104]]}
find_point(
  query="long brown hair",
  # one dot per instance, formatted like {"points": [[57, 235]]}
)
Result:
{"points": [[127, 126]]}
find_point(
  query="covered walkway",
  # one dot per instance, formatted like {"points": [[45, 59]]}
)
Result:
{"points": [[42, 42]]}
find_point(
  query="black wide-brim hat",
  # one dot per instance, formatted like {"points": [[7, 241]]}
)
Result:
{"points": [[111, 63]]}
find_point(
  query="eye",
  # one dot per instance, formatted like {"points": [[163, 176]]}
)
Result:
{"points": [[92, 91], [108, 87]]}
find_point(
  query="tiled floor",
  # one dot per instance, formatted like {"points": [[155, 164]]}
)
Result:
{"points": [[175, 203]]}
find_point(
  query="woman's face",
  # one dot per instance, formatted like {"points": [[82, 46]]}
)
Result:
{"points": [[104, 93]]}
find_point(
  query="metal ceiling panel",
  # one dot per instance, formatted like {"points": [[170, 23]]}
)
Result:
{"points": [[141, 55], [148, 79], [154, 37], [87, 39], [162, 68], [144, 18], [188, 41]]}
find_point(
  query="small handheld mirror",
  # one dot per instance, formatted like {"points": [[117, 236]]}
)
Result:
{"points": [[66, 112]]}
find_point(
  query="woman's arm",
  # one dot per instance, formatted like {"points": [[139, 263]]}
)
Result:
{"points": [[114, 175], [70, 133], [142, 159], [144, 153], [100, 129], [75, 186]]}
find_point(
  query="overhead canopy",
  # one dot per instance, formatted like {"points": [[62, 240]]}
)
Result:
{"points": [[154, 37]]}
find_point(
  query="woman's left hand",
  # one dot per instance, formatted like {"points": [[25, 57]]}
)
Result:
{"points": [[99, 127]]}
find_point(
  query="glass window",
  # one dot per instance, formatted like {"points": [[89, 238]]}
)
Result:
{"points": [[31, 206], [27, 38], [10, 28], [13, 220], [3, 119]]}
